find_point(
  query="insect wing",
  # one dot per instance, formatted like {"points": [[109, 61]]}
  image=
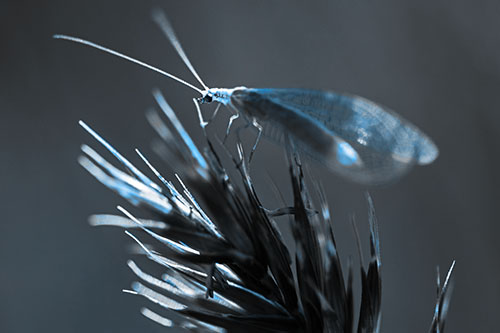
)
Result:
{"points": [[387, 145]]}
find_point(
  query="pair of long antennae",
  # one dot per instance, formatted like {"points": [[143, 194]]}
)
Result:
{"points": [[160, 18]]}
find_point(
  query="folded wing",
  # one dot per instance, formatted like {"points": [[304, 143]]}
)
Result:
{"points": [[354, 137]]}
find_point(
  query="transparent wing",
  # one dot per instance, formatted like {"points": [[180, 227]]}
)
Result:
{"points": [[386, 144]]}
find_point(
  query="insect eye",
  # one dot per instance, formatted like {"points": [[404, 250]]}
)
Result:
{"points": [[205, 99]]}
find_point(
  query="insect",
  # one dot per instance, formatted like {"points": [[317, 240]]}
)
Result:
{"points": [[356, 138]]}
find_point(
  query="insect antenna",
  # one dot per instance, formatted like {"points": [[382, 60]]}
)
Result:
{"points": [[164, 24], [123, 56]]}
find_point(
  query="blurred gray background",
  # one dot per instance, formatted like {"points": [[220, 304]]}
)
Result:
{"points": [[436, 62]]}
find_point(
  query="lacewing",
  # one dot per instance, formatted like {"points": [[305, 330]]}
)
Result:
{"points": [[354, 137]]}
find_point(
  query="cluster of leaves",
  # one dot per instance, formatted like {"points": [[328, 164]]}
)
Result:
{"points": [[226, 266]]}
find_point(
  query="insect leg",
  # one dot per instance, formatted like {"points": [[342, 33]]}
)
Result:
{"points": [[204, 123], [287, 211], [231, 120], [259, 128], [214, 114]]}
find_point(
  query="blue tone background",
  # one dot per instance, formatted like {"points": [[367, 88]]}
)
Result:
{"points": [[435, 62]]}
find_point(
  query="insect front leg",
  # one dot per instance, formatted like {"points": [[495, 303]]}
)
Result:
{"points": [[204, 123], [214, 114]]}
